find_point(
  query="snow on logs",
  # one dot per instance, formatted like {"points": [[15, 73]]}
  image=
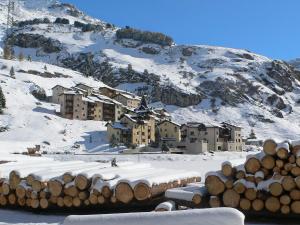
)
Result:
{"points": [[77, 184], [269, 180]]}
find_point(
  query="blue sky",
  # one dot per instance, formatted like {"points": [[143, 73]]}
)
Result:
{"points": [[267, 27]]}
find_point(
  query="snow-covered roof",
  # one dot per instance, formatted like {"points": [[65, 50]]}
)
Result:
{"points": [[118, 125], [169, 121], [230, 123], [130, 96], [197, 124], [58, 85]]}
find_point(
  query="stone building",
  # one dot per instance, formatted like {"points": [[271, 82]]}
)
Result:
{"points": [[130, 100], [57, 90], [217, 137]]}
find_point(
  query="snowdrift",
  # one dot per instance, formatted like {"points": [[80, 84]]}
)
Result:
{"points": [[220, 216]]}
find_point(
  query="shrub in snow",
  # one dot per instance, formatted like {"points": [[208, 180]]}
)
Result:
{"points": [[144, 36], [62, 21], [38, 92]]}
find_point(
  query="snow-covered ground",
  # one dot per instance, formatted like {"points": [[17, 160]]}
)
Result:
{"points": [[32, 122]]}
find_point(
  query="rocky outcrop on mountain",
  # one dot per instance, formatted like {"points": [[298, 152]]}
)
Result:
{"points": [[172, 96], [27, 40], [38, 92]]}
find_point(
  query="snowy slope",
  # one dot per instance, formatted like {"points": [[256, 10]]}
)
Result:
{"points": [[32, 122]]}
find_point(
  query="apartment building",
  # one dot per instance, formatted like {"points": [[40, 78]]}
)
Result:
{"points": [[132, 130], [200, 137], [130, 100], [57, 90]]}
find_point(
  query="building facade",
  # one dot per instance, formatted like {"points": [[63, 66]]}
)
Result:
{"points": [[219, 137], [131, 101], [57, 90]]}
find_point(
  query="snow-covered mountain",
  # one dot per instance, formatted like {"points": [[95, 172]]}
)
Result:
{"points": [[194, 82]]}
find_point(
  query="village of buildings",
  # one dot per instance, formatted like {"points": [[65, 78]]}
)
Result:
{"points": [[132, 123]]}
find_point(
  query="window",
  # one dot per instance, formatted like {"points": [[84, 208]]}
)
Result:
{"points": [[217, 139], [192, 132], [207, 133], [239, 140], [82, 108], [175, 129], [77, 117], [219, 148], [137, 133], [143, 133], [77, 105], [144, 140]]}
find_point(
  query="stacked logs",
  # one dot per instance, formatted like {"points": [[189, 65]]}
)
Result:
{"points": [[269, 180], [95, 187]]}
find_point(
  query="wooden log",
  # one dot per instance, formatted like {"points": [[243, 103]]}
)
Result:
{"points": [[93, 199], [295, 146], [282, 150], [284, 172], [295, 171], [67, 177], [113, 199], [21, 189], [214, 202], [34, 195], [231, 198], [245, 204], [292, 159], [3, 200], [106, 192], [68, 201], [60, 202], [77, 202], [82, 182], [239, 186], [35, 203], [14, 179], [5, 188], [295, 207], [71, 190], [253, 164], [297, 181], [44, 203], [45, 193], [86, 202], [53, 200], [268, 162], [276, 188], [285, 209], [101, 199], [124, 192], [12, 199], [288, 167], [269, 147], [285, 199], [38, 185], [215, 183], [258, 205], [21, 202], [55, 187], [279, 163], [229, 184], [272, 204], [28, 202], [295, 194], [251, 193], [227, 169], [83, 195], [250, 178], [288, 183]]}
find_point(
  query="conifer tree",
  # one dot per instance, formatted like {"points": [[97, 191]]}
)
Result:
{"points": [[2, 101], [21, 56], [12, 72]]}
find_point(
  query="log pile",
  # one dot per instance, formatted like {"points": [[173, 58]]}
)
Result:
{"points": [[76, 186], [269, 180]]}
